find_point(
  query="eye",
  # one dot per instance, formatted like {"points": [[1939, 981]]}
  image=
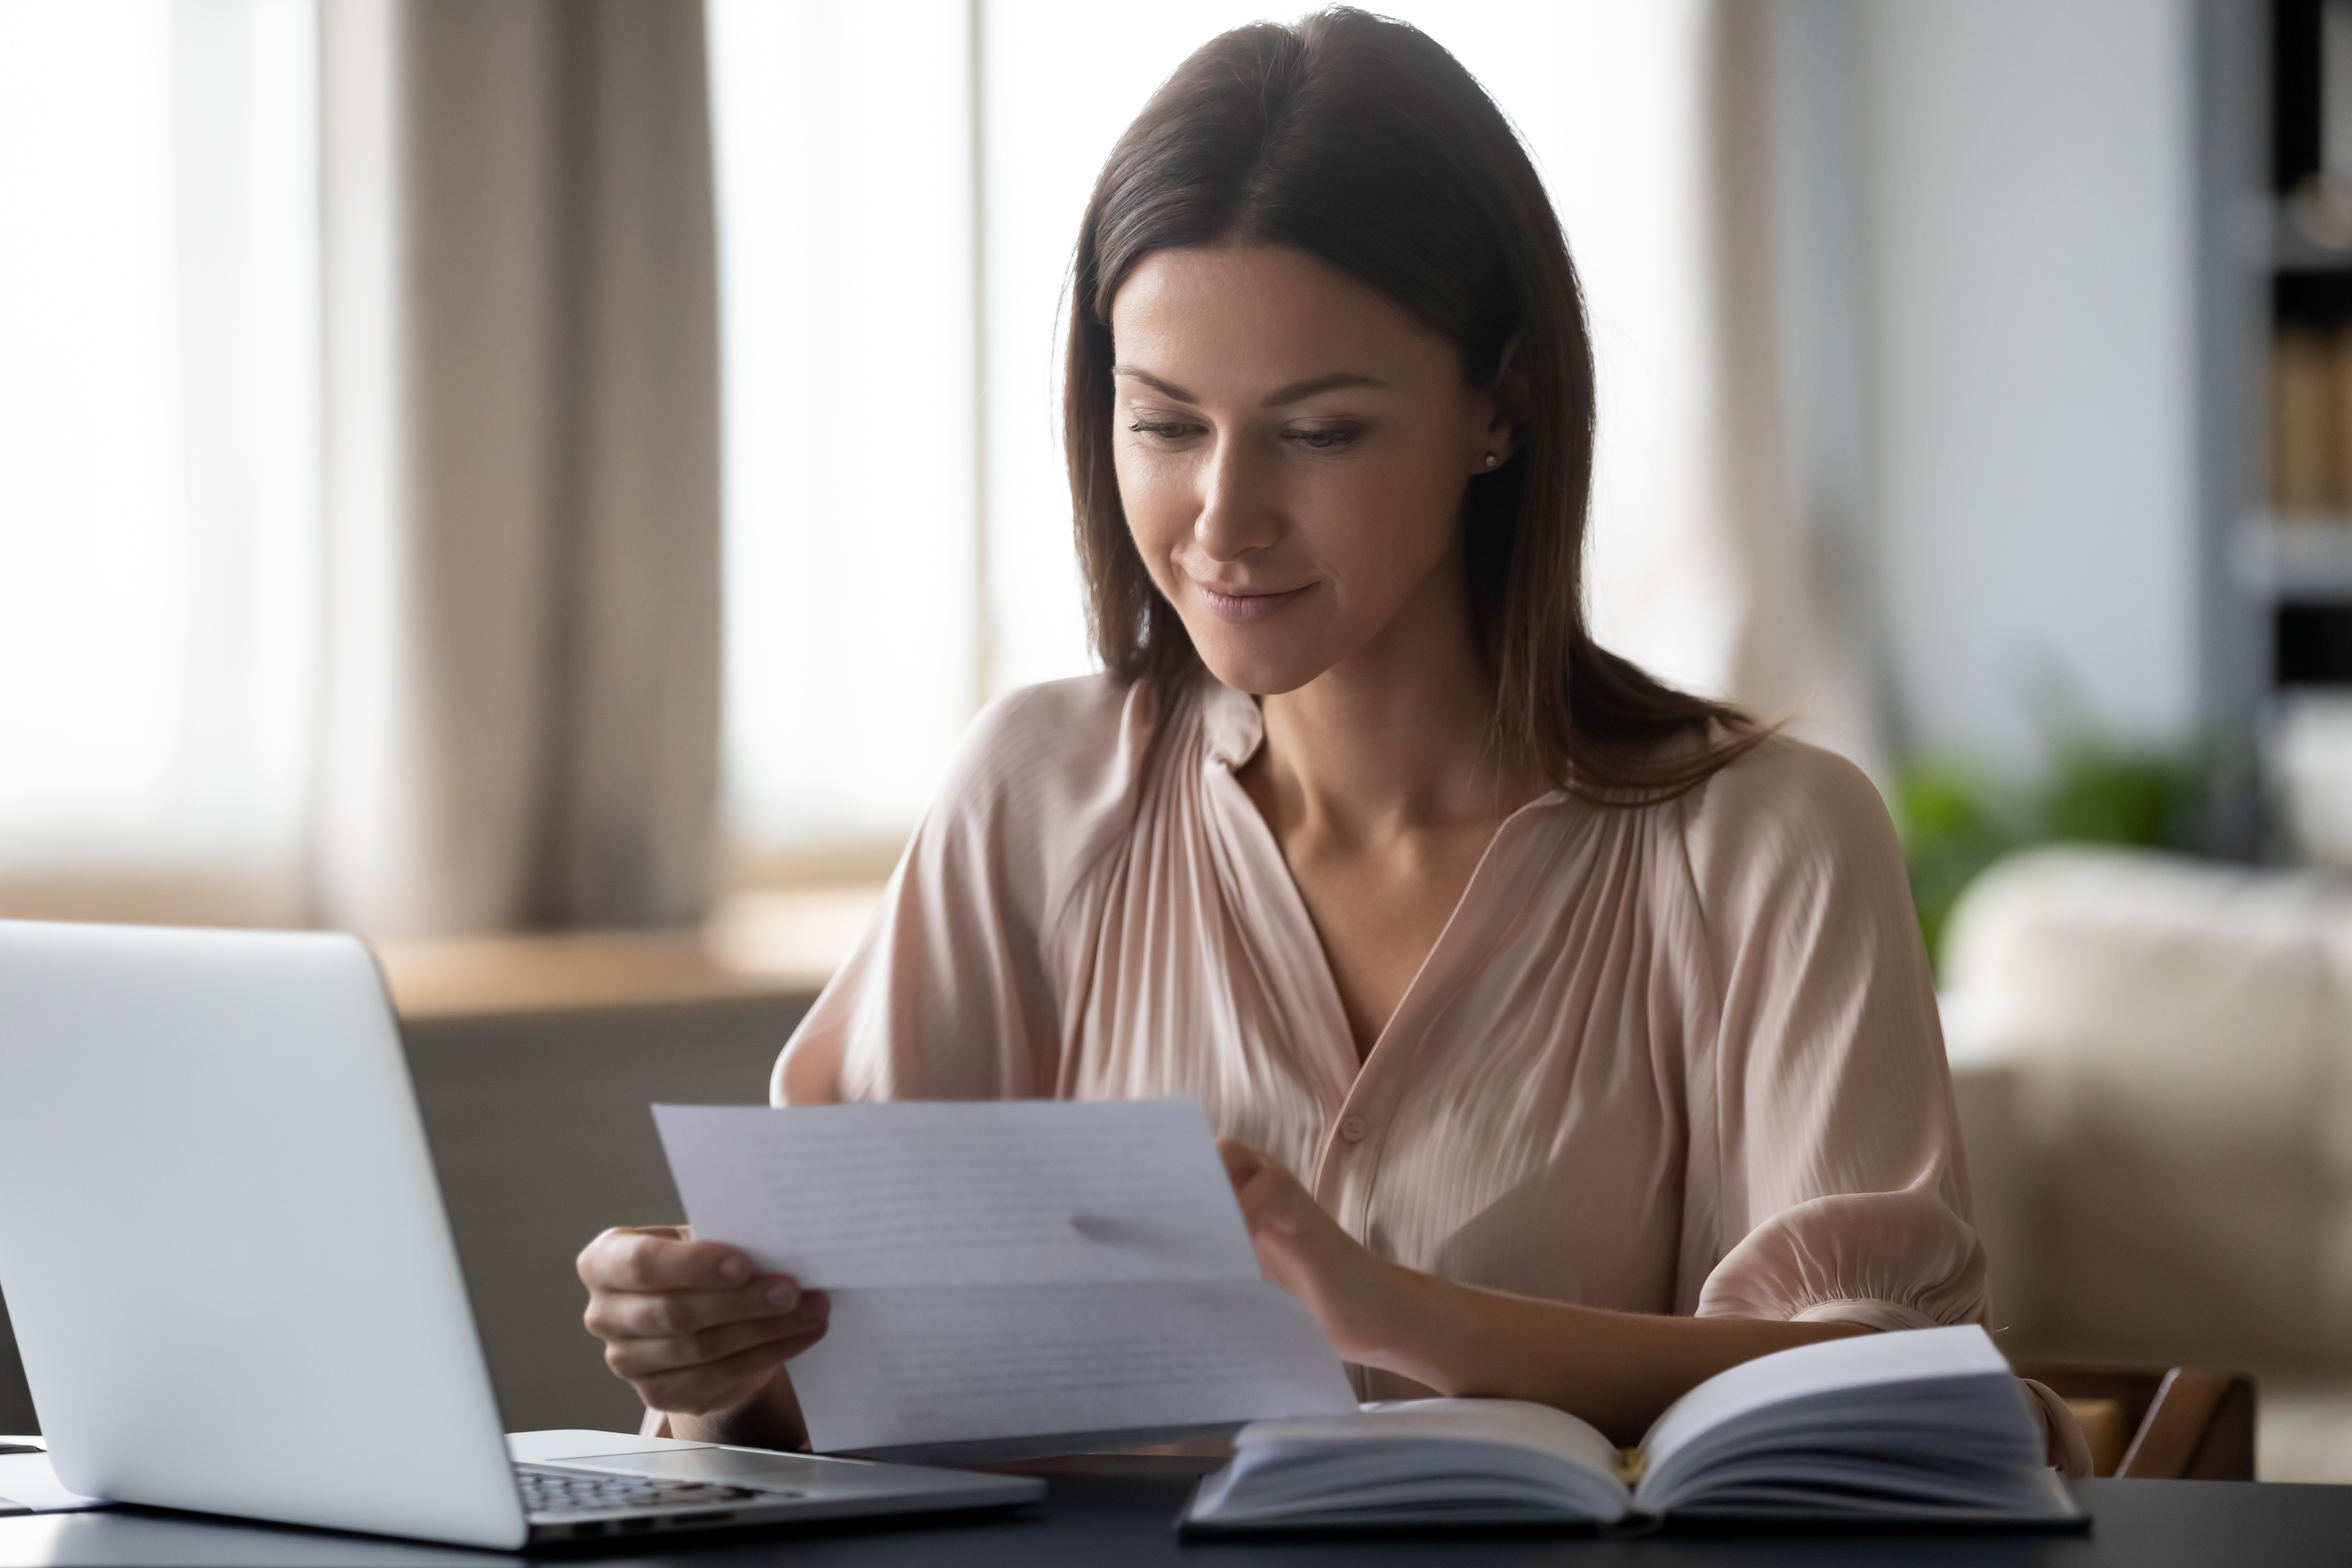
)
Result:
{"points": [[1165, 431], [1322, 440]]}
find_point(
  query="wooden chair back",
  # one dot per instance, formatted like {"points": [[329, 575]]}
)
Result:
{"points": [[2180, 1424]]}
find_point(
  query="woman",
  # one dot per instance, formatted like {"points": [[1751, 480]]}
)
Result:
{"points": [[1571, 1037]]}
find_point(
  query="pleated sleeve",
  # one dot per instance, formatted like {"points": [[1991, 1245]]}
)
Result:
{"points": [[955, 991], [1827, 1179]]}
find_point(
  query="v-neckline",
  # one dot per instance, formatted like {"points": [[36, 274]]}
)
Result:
{"points": [[1233, 742]]}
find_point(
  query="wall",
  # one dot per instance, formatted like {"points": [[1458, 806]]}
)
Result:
{"points": [[16, 1402], [542, 1138], [2026, 198]]}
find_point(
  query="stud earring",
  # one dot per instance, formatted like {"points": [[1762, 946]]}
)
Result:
{"points": [[1492, 460]]}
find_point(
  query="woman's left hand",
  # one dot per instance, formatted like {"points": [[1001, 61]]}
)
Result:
{"points": [[1616, 1370], [1354, 1294]]}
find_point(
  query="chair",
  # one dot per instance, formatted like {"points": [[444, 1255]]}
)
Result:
{"points": [[2146, 1424]]}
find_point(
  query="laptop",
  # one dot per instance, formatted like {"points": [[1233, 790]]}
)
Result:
{"points": [[233, 1282]]}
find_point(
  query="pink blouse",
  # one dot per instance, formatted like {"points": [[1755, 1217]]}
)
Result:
{"points": [[1682, 1059]]}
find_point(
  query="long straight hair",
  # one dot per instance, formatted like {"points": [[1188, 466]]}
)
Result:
{"points": [[1361, 141]]}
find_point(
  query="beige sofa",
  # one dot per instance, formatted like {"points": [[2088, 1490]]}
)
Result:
{"points": [[2154, 1059]]}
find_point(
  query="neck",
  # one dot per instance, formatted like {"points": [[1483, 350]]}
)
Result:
{"points": [[1398, 738]]}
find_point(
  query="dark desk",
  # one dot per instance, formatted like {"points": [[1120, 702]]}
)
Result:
{"points": [[1123, 1517]]}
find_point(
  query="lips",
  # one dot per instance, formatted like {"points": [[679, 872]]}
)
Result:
{"points": [[1242, 606]]}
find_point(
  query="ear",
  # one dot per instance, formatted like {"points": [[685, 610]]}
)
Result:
{"points": [[1509, 410]]}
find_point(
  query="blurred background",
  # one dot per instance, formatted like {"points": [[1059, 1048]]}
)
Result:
{"points": [[545, 483]]}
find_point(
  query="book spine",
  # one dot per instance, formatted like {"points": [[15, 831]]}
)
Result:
{"points": [[2305, 434]]}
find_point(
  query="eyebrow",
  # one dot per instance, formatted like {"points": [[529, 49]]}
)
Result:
{"points": [[1296, 392]]}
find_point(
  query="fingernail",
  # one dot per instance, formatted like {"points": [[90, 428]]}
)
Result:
{"points": [[735, 1270], [782, 1295]]}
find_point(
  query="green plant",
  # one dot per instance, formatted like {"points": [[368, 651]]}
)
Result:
{"points": [[1956, 819], [1954, 823]]}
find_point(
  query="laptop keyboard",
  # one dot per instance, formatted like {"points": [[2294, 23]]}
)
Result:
{"points": [[546, 1490]]}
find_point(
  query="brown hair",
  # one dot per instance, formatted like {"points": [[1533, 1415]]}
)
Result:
{"points": [[1361, 141]]}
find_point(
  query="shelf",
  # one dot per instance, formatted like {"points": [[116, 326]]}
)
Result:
{"points": [[2290, 251], [772, 943], [2302, 556]]}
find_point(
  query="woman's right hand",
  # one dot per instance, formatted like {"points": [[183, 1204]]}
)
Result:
{"points": [[691, 1326]]}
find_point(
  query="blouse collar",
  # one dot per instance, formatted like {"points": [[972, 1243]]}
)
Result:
{"points": [[1232, 723], [1234, 728]]}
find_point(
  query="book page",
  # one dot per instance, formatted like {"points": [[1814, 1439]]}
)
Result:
{"points": [[1854, 1362], [1513, 1421], [1423, 1461], [963, 1192]]}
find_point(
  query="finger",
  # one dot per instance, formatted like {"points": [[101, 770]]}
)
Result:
{"points": [[1242, 1162], [658, 1353], [641, 1260], [1256, 1180], [649, 1357], [606, 1236], [602, 1261], [1264, 1188], [640, 1360], [666, 1314], [723, 1384], [1254, 1175]]}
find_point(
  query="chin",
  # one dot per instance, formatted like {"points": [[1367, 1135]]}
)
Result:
{"points": [[1260, 672]]}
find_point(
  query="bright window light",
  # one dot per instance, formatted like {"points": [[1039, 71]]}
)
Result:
{"points": [[158, 435], [1062, 79], [845, 264]]}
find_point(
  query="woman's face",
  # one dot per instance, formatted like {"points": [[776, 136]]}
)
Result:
{"points": [[1292, 450]]}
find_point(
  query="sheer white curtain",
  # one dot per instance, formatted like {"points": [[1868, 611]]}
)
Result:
{"points": [[865, 195], [159, 520], [523, 490], [845, 177], [359, 553]]}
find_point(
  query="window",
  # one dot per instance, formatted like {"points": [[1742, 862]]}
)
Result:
{"points": [[898, 190], [158, 447], [846, 299]]}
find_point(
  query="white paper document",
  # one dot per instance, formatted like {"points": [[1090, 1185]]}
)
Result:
{"points": [[1005, 1268]]}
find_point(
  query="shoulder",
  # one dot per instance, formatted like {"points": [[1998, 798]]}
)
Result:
{"points": [[1048, 750], [1788, 814], [1044, 779], [1785, 787]]}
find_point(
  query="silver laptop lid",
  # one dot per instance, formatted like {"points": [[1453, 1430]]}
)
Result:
{"points": [[221, 1239]]}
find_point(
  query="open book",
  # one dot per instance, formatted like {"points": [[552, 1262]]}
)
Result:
{"points": [[1928, 1425]]}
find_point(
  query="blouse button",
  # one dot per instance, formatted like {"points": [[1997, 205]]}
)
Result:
{"points": [[1353, 1127]]}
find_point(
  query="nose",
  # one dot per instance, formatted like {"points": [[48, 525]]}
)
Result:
{"points": [[1239, 510]]}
